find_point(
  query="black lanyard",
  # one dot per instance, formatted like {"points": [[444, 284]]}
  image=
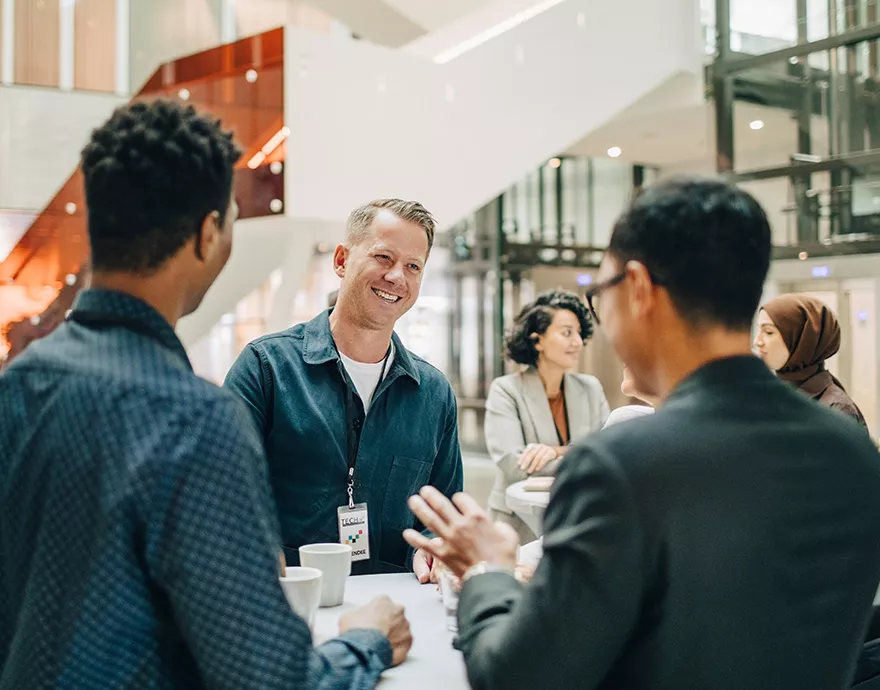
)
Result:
{"points": [[354, 422]]}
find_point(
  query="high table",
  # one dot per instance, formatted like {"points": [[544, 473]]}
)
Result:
{"points": [[529, 506], [432, 662]]}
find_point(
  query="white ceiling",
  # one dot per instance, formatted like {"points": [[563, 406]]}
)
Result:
{"points": [[432, 14], [684, 137]]}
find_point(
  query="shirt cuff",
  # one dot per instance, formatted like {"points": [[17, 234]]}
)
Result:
{"points": [[368, 641]]}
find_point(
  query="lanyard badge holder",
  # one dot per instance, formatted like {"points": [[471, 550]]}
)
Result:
{"points": [[354, 524], [353, 519]]}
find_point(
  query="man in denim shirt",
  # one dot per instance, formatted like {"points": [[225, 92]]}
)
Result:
{"points": [[341, 404], [139, 544]]}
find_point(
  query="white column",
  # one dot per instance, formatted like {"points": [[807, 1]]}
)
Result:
{"points": [[7, 59], [66, 50], [228, 29], [123, 48]]}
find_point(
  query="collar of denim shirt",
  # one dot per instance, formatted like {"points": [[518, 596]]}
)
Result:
{"points": [[318, 347]]}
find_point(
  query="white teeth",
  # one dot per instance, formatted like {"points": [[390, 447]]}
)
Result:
{"points": [[387, 297]]}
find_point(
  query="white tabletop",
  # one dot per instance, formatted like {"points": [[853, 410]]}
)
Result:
{"points": [[432, 663], [529, 506]]}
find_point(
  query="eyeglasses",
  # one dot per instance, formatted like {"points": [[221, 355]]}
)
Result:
{"points": [[592, 294]]}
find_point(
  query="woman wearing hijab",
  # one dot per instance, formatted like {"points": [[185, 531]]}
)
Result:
{"points": [[796, 334]]}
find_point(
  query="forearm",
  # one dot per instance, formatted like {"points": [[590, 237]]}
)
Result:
{"points": [[353, 661]]}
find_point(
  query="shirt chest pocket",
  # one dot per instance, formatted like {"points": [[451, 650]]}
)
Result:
{"points": [[406, 477]]}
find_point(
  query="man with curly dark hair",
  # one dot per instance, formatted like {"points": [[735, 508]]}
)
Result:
{"points": [[534, 414], [139, 545]]}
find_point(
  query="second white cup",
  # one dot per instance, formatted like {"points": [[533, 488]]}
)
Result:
{"points": [[334, 562], [302, 587]]}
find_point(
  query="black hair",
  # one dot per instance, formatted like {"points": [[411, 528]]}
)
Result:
{"points": [[535, 318], [705, 241], [153, 172]]}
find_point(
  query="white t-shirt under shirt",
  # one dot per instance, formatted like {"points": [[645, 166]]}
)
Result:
{"points": [[366, 376]]}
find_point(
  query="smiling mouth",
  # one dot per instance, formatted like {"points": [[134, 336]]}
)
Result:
{"points": [[387, 296]]}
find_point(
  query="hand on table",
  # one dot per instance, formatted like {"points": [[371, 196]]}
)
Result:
{"points": [[536, 456], [465, 534], [383, 615], [425, 566]]}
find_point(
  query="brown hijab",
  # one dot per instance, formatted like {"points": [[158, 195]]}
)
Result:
{"points": [[810, 332]]}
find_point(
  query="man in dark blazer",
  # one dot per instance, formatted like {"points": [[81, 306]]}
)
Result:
{"points": [[729, 541]]}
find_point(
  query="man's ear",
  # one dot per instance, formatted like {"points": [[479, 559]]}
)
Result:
{"points": [[340, 259], [642, 295], [208, 235]]}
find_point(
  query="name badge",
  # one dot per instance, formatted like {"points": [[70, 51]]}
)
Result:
{"points": [[354, 530]]}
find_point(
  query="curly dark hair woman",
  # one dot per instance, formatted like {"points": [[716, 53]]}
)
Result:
{"points": [[535, 318], [531, 416]]}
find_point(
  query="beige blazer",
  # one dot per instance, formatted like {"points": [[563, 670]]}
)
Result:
{"points": [[518, 413]]}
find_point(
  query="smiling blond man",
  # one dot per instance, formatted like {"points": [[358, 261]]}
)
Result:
{"points": [[352, 422]]}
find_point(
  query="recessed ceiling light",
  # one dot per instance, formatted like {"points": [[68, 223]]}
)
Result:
{"points": [[251, 76], [184, 94], [276, 205], [803, 256], [276, 167], [554, 162], [756, 124], [615, 152], [70, 207]]}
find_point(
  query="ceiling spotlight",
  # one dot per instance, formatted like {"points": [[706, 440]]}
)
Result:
{"points": [[70, 279], [251, 76], [276, 205], [615, 152], [803, 256], [70, 208], [184, 94], [275, 167], [756, 124], [554, 162], [35, 320]]}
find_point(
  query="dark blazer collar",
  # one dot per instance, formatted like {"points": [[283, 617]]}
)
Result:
{"points": [[98, 307], [318, 347], [728, 371]]}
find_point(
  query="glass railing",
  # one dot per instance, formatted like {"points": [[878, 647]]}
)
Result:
{"points": [[242, 83]]}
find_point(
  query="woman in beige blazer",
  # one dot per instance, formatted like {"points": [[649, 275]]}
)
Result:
{"points": [[532, 416]]}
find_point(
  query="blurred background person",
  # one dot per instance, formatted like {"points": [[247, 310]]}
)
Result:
{"points": [[796, 334], [532, 415]]}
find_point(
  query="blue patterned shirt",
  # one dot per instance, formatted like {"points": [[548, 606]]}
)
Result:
{"points": [[138, 539]]}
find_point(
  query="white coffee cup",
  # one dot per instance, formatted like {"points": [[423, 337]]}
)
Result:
{"points": [[302, 587], [334, 561]]}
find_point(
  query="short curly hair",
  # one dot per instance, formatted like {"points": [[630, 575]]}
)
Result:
{"points": [[153, 172], [535, 318]]}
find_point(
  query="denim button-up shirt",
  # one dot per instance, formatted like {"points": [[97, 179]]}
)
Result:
{"points": [[295, 387], [138, 541]]}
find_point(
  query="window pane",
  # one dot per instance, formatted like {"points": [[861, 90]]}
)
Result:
{"points": [[95, 45], [37, 37]]}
